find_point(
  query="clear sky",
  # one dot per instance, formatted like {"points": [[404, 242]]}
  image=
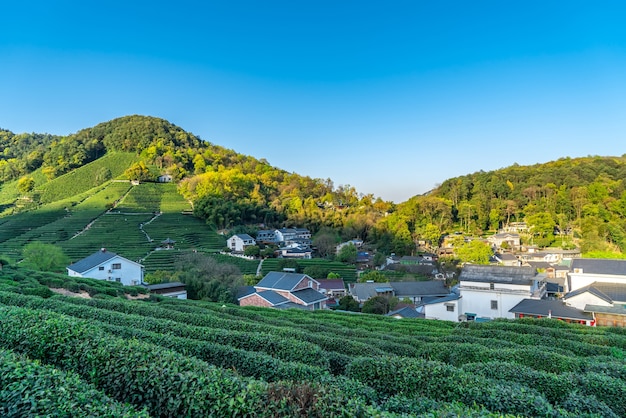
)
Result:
{"points": [[390, 97]]}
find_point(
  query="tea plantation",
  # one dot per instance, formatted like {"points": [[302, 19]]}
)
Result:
{"points": [[106, 355]]}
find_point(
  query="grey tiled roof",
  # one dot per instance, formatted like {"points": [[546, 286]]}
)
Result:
{"points": [[332, 284], [599, 266], [555, 308], [245, 237], [245, 291], [169, 285], [616, 291], [592, 289], [426, 288], [406, 312], [617, 309], [498, 274], [91, 261], [273, 297], [364, 291], [448, 298], [281, 280], [309, 296]]}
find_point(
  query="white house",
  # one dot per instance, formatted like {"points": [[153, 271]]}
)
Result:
{"points": [[585, 271], [447, 308], [239, 242], [511, 239], [492, 291], [106, 265], [358, 243]]}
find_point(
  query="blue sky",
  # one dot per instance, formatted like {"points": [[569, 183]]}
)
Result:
{"points": [[389, 97]]}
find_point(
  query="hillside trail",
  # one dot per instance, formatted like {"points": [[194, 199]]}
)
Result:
{"points": [[90, 224]]}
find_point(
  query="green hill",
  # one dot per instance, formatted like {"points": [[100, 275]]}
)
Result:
{"points": [[130, 220], [166, 357]]}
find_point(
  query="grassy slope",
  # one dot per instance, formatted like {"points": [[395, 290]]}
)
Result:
{"points": [[81, 223]]}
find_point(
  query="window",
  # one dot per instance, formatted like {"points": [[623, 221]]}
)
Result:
{"points": [[118, 279], [116, 266], [494, 304], [101, 268], [450, 308], [491, 286]]}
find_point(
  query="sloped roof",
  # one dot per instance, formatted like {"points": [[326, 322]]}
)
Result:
{"points": [[169, 285], [618, 309], [600, 266], [539, 264], [592, 289], [332, 284], [364, 291], [506, 257], [498, 274], [244, 237], [92, 261], [245, 291], [406, 312], [616, 291], [426, 288], [449, 298], [281, 280], [309, 296], [554, 308], [273, 297]]}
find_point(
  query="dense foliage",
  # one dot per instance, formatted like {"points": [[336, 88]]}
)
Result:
{"points": [[109, 356], [569, 202]]}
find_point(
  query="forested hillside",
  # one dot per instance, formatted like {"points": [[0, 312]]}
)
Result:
{"points": [[566, 202], [569, 202]]}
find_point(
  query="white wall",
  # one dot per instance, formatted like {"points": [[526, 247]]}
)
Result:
{"points": [[130, 273], [580, 301], [439, 311], [238, 243], [478, 299], [581, 280]]}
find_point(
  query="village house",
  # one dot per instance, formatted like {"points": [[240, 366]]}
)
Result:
{"points": [[585, 271], [510, 240], [507, 259], [515, 227], [405, 312], [332, 288], [446, 308], [294, 251], [413, 291], [358, 243], [285, 236], [489, 292], [176, 290], [238, 243], [606, 301], [554, 309], [106, 265], [284, 290]]}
